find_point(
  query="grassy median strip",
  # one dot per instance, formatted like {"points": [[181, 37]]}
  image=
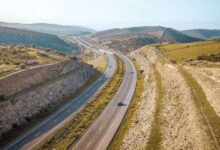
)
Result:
{"points": [[209, 116], [124, 127], [72, 130], [155, 135]]}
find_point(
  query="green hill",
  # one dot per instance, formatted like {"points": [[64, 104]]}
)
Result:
{"points": [[24, 37], [49, 28], [203, 33], [129, 39]]}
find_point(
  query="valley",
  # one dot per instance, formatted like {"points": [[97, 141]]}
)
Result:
{"points": [[148, 87]]}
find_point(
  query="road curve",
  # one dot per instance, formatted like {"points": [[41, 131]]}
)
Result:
{"points": [[101, 132], [63, 113]]}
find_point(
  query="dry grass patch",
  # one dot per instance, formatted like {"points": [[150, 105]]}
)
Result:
{"points": [[18, 57], [155, 135], [100, 63], [72, 130], [184, 51], [209, 116]]}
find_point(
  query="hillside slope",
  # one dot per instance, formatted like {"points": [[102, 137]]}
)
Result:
{"points": [[186, 52], [202, 33], [49, 28], [18, 57], [19, 36], [129, 39], [175, 111], [157, 32]]}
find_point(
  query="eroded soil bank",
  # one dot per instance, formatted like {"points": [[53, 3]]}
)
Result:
{"points": [[180, 123]]}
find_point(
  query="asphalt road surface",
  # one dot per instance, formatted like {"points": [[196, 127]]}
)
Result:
{"points": [[99, 135], [63, 113]]}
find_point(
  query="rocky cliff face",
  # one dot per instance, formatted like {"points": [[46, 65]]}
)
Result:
{"points": [[30, 91]]}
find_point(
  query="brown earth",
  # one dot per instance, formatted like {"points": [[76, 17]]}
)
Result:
{"points": [[136, 137], [180, 125], [209, 79]]}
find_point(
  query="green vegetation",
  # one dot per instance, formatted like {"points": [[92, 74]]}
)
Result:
{"points": [[25, 37], [209, 116], [203, 33], [17, 57], [155, 135], [124, 127], [2, 98], [72, 130], [190, 51], [129, 44], [50, 28]]}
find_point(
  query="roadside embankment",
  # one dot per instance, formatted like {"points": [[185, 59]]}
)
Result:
{"points": [[167, 116], [131, 134], [31, 91]]}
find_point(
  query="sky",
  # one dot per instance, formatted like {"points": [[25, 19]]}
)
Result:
{"points": [[106, 14]]}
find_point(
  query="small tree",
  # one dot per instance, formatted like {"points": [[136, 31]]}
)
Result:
{"points": [[2, 97], [73, 58], [173, 61]]}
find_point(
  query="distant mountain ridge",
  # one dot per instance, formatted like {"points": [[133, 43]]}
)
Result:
{"points": [[49, 28], [158, 32], [25, 37], [124, 32], [128, 39], [202, 33]]}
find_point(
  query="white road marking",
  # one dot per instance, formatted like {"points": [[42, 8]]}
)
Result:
{"points": [[100, 129], [37, 134], [90, 142]]}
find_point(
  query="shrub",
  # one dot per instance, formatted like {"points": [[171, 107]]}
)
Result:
{"points": [[73, 57], [214, 58], [173, 61], [42, 54], [23, 66], [48, 49], [212, 55], [188, 59], [2, 97], [32, 62], [203, 57]]}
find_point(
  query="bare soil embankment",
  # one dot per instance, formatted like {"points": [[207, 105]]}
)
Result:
{"points": [[32, 94], [180, 125], [209, 79]]}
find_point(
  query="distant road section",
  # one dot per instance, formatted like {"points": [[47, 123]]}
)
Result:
{"points": [[102, 131]]}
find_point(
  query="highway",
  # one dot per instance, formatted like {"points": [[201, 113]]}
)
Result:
{"points": [[42, 129], [99, 135]]}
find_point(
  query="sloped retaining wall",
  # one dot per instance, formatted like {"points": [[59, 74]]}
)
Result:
{"points": [[29, 91]]}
